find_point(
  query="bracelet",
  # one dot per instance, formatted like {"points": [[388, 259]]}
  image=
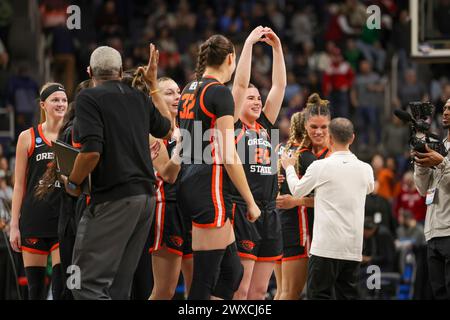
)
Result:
{"points": [[154, 91]]}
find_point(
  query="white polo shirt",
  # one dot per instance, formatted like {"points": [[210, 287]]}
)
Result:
{"points": [[341, 183]]}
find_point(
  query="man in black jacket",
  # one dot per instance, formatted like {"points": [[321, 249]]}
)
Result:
{"points": [[113, 125]]}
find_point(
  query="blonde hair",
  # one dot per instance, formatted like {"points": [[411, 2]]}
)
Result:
{"points": [[297, 135], [42, 116]]}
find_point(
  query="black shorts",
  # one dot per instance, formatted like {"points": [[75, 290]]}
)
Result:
{"points": [[39, 245], [296, 227], [261, 240], [169, 229], [204, 194]]}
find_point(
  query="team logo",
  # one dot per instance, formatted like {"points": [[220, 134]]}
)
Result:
{"points": [[38, 140], [176, 240], [263, 134], [247, 245], [31, 241]]}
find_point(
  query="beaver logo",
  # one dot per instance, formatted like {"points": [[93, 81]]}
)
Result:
{"points": [[176, 240], [247, 245], [31, 241]]}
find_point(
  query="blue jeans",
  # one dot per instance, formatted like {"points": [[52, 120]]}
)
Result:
{"points": [[368, 119]]}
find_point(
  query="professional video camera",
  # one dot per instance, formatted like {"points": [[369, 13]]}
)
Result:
{"points": [[420, 123]]}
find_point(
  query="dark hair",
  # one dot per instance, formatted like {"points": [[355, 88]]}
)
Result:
{"points": [[212, 53], [341, 129], [316, 106]]}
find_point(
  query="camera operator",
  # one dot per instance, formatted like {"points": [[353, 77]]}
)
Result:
{"points": [[432, 178]]}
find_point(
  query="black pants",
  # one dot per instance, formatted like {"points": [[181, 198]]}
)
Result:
{"points": [[332, 279], [439, 267]]}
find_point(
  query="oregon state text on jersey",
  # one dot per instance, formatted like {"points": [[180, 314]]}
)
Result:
{"points": [[255, 149], [39, 218]]}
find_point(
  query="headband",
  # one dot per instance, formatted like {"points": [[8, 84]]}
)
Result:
{"points": [[51, 89]]}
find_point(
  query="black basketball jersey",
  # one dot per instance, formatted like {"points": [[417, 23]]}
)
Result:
{"points": [[201, 104], [166, 191], [322, 154], [255, 151], [306, 157], [39, 218]]}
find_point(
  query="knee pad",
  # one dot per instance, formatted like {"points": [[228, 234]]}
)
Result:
{"points": [[231, 273], [206, 272], [36, 282]]}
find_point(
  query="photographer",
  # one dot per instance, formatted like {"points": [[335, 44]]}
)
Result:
{"points": [[432, 178]]}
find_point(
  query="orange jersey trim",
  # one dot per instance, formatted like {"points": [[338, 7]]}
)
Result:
{"points": [[269, 259], [202, 104], [42, 136], [33, 143], [35, 251], [188, 256]]}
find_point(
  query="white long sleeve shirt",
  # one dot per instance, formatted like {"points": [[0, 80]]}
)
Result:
{"points": [[341, 183]]}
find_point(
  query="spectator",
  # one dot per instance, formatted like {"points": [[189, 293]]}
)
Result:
{"points": [[53, 13], [365, 91], [409, 230], [63, 51], [6, 18], [22, 92], [4, 57], [352, 17], [261, 61], [410, 200], [379, 246], [352, 54], [395, 141], [401, 39], [292, 88], [333, 31], [295, 104], [337, 82], [380, 210], [411, 90], [302, 28], [384, 176], [108, 21]]}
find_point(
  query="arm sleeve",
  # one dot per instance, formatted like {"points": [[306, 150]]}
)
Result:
{"points": [[444, 166], [219, 101], [371, 185], [302, 187], [89, 124], [422, 178], [159, 125]]}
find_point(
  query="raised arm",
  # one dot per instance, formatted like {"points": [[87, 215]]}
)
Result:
{"points": [[276, 94], [243, 69], [150, 73]]}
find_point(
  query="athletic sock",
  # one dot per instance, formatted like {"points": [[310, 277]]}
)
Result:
{"points": [[36, 282], [206, 272], [57, 282]]}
